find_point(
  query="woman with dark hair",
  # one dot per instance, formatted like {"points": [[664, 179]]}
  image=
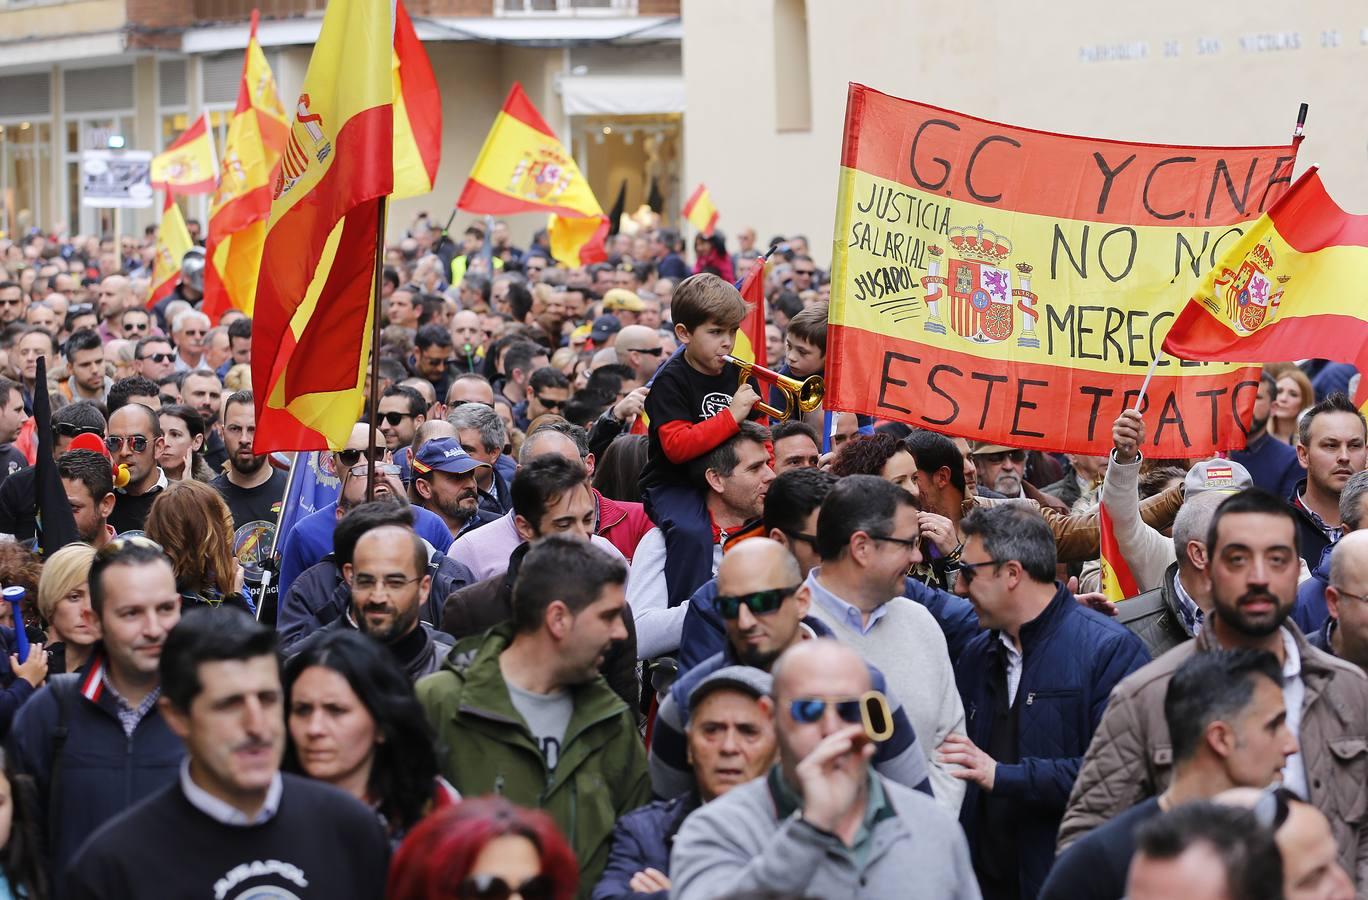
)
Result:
{"points": [[183, 430], [192, 523], [355, 723], [710, 252], [618, 473], [22, 874], [484, 849], [878, 454]]}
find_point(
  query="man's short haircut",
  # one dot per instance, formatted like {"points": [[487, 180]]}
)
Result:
{"points": [[417, 546], [810, 325], [203, 372], [417, 406], [1015, 532], [1250, 500], [794, 495], [241, 328], [703, 298], [1193, 522], [724, 458], [481, 418], [238, 398], [392, 370], [143, 343], [362, 518], [52, 341], [125, 388], [127, 553], [178, 323], [519, 301], [541, 482], [84, 339], [1267, 380], [8, 387], [934, 452], [209, 635], [432, 336], [788, 303], [520, 354], [577, 435], [84, 414], [1351, 500], [607, 380], [547, 377], [858, 503], [90, 469], [790, 427], [542, 578], [1247, 851], [1337, 402], [1209, 687]]}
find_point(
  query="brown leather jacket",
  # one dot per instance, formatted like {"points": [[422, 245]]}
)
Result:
{"points": [[1130, 757], [1077, 538]]}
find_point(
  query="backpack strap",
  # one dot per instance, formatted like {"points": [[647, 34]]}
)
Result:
{"points": [[64, 689]]}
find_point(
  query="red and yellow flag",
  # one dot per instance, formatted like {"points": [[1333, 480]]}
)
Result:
{"points": [[750, 337], [242, 203], [311, 331], [699, 210], [1118, 581], [173, 242], [1013, 286], [523, 167], [1291, 287], [188, 166], [417, 112]]}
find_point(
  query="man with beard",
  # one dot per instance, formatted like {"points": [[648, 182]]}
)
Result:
{"points": [[1252, 573], [444, 478], [89, 486], [1331, 440], [203, 391], [389, 581], [252, 489], [1271, 463], [520, 709]]}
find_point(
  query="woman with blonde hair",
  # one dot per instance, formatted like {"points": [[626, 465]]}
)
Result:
{"points": [[193, 525], [1293, 397], [64, 604]]}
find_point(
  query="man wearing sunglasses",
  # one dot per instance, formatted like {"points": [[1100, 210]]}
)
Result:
{"points": [[402, 410], [12, 302], [135, 440], [547, 391], [154, 358], [430, 360], [764, 605], [821, 823], [1000, 469]]}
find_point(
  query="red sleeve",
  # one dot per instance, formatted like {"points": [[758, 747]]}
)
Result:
{"points": [[683, 441]]}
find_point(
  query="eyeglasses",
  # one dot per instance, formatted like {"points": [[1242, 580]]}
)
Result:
{"points": [[365, 584], [380, 469], [1362, 598], [760, 603], [137, 443], [192, 332], [131, 326], [349, 458], [997, 459], [394, 418], [969, 571], [68, 430], [492, 887], [906, 542], [654, 351], [549, 403], [17, 301], [436, 363], [158, 357], [804, 271], [809, 539], [807, 710]]}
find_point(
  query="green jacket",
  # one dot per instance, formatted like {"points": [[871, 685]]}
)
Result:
{"points": [[485, 747]]}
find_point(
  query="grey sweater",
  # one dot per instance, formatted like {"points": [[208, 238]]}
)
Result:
{"points": [[736, 846]]}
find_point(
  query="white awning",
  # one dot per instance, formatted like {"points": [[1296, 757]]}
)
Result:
{"points": [[621, 95]]}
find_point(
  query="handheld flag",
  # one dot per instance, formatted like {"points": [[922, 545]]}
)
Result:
{"points": [[1118, 582], [56, 524], [242, 203], [750, 337], [311, 332], [523, 167], [417, 112], [173, 242], [188, 166], [700, 212], [1291, 287]]}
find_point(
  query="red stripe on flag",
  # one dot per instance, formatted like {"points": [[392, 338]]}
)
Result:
{"points": [[422, 100], [519, 107], [1309, 219], [693, 199], [495, 203], [1111, 552], [1196, 334]]}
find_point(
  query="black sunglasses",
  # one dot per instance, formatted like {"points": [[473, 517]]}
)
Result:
{"points": [[394, 418], [995, 459], [158, 357], [811, 709], [68, 430], [760, 603], [492, 887], [969, 571], [349, 458], [115, 443], [550, 404], [131, 326], [809, 539], [654, 351]]}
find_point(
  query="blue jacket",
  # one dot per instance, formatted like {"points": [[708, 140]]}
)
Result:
{"points": [[103, 772], [705, 633], [16, 691], [1311, 612], [642, 839], [1072, 657], [1271, 463]]}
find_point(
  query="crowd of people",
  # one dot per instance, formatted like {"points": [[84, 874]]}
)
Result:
{"points": [[583, 622]]}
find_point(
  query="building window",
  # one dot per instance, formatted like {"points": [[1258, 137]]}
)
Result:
{"points": [[792, 72], [25, 173], [564, 7]]}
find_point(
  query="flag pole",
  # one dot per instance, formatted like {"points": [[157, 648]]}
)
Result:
{"points": [[1144, 385], [372, 418]]}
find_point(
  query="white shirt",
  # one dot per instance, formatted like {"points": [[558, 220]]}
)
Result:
{"points": [[1294, 695], [1013, 667], [226, 813]]}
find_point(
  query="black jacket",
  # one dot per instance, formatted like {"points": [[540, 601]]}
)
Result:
{"points": [[1311, 541], [1153, 617], [418, 657]]}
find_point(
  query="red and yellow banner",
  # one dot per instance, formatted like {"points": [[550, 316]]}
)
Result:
{"points": [[750, 337], [700, 211], [523, 167], [1291, 287], [188, 166], [1118, 581], [1014, 286], [242, 203], [311, 331], [417, 112], [173, 242]]}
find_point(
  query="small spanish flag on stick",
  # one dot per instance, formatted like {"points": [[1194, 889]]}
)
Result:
{"points": [[173, 242], [189, 165], [700, 212], [1118, 582]]}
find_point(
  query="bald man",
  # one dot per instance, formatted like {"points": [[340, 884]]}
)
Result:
{"points": [[639, 347], [772, 618], [822, 823], [1345, 633]]}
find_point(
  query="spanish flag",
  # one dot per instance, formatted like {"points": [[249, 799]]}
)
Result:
{"points": [[188, 166], [523, 167], [700, 212], [311, 334], [1291, 287], [1118, 582], [173, 242], [417, 112], [750, 337], [242, 203]]}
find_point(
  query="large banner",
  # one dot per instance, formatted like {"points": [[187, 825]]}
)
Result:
{"points": [[1014, 285]]}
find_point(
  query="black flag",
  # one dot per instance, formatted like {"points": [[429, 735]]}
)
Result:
{"points": [[655, 200], [56, 525], [619, 207]]}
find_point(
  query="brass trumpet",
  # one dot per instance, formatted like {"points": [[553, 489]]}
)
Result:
{"points": [[806, 394]]}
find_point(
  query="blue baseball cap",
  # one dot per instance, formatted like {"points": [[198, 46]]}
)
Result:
{"points": [[444, 454]]}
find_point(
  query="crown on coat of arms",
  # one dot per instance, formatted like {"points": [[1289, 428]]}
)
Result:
{"points": [[977, 242], [1262, 256]]}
